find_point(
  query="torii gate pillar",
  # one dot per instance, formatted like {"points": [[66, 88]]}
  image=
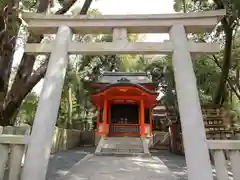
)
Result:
{"points": [[39, 147], [194, 138]]}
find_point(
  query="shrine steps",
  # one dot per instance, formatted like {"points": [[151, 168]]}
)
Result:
{"points": [[122, 146]]}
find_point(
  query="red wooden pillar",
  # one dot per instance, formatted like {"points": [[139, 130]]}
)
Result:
{"points": [[150, 118], [98, 118], [109, 112], [105, 117], [142, 128], [139, 116]]}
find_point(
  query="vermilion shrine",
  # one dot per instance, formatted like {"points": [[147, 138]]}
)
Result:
{"points": [[125, 102]]}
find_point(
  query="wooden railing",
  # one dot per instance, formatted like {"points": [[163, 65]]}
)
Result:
{"points": [[125, 128], [12, 148], [218, 123], [226, 157]]}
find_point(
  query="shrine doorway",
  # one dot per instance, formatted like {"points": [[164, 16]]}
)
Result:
{"points": [[124, 119]]}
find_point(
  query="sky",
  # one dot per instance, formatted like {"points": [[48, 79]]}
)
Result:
{"points": [[133, 6], [118, 7], [136, 7]]}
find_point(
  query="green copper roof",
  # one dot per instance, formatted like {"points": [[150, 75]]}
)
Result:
{"points": [[117, 77]]}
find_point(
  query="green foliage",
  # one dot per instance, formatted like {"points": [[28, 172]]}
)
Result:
{"points": [[207, 74], [30, 4], [3, 3], [75, 107], [27, 110]]}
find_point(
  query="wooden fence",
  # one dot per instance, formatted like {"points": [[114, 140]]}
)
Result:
{"points": [[13, 146], [226, 157], [13, 142], [64, 139], [217, 121]]}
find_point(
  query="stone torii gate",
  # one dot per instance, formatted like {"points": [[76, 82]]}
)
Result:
{"points": [[177, 25]]}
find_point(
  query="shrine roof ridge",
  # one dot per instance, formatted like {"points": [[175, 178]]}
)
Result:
{"points": [[133, 77], [109, 73], [125, 84]]}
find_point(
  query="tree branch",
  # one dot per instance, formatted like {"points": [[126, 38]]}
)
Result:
{"points": [[23, 72], [9, 20], [229, 81], [43, 5], [67, 4], [219, 4], [86, 6]]}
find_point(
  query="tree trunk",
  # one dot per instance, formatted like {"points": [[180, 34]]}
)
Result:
{"points": [[238, 73], [230, 82], [70, 107], [184, 6], [25, 78], [9, 24], [43, 5], [228, 30]]}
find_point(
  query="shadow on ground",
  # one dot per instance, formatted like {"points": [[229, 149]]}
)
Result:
{"points": [[175, 163], [61, 162]]}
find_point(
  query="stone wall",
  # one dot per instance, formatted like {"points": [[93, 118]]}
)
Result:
{"points": [[87, 138], [16, 130], [63, 139]]}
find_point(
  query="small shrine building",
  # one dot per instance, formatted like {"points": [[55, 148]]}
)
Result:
{"points": [[124, 102]]}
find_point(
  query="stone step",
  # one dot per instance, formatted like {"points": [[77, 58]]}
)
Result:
{"points": [[127, 150], [160, 147], [122, 146], [123, 154]]}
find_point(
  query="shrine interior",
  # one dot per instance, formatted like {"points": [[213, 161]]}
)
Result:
{"points": [[124, 113]]}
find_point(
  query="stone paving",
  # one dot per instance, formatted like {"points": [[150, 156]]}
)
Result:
{"points": [[175, 163], [122, 144], [61, 163], [119, 168]]}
